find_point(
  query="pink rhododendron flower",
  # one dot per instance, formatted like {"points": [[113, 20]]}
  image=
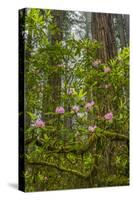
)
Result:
{"points": [[39, 123], [75, 109], [70, 91], [108, 116], [60, 110], [96, 63], [92, 128], [107, 70], [89, 105], [92, 103]]}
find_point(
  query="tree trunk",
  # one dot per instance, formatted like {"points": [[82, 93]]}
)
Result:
{"points": [[54, 80], [121, 31], [102, 31], [126, 24], [88, 24], [28, 50]]}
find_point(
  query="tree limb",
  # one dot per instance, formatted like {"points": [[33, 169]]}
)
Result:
{"points": [[115, 136], [71, 171]]}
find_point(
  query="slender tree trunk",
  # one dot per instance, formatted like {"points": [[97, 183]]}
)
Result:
{"points": [[28, 50], [88, 25], [54, 79]]}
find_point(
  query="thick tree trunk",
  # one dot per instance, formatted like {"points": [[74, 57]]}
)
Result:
{"points": [[103, 32]]}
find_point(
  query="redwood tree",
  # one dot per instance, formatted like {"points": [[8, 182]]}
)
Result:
{"points": [[102, 31]]}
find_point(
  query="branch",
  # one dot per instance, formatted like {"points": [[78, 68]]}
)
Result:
{"points": [[71, 171], [69, 149], [116, 136]]}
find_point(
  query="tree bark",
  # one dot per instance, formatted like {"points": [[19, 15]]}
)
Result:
{"points": [[54, 79], [28, 50], [120, 30], [126, 24], [102, 31]]}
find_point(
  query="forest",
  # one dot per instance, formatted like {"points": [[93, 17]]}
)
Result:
{"points": [[76, 99]]}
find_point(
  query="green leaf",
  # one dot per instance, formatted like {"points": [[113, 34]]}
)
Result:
{"points": [[32, 116]]}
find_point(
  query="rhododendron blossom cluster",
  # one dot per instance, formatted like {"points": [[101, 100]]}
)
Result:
{"points": [[60, 110], [89, 105], [75, 109], [96, 63], [39, 123], [70, 91], [108, 116], [92, 128]]}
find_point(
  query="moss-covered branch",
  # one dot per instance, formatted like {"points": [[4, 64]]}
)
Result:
{"points": [[60, 168], [116, 136]]}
